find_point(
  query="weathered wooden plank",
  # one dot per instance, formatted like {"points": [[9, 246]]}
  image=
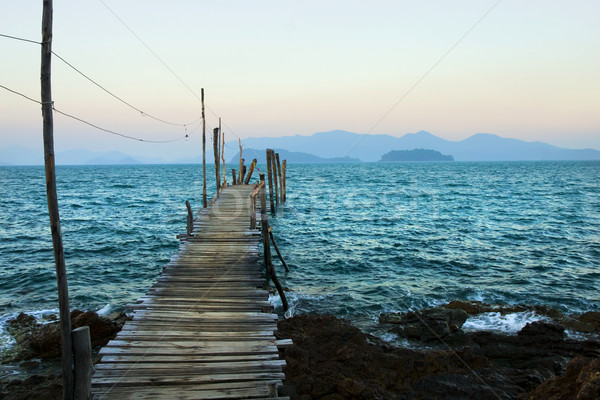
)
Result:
{"points": [[170, 359]]}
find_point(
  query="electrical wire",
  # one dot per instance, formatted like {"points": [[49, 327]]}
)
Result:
{"points": [[145, 114], [91, 124]]}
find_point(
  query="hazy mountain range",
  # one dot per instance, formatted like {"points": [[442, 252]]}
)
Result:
{"points": [[340, 146]]}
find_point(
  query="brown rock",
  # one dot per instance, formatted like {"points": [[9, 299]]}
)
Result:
{"points": [[581, 381], [470, 307], [591, 317]]}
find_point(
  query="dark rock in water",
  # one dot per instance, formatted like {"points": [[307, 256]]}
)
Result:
{"points": [[592, 318], [44, 340], [540, 331], [426, 325], [581, 381], [470, 307]]}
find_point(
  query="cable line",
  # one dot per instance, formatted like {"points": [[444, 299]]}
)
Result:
{"points": [[18, 38], [91, 124], [145, 114]]}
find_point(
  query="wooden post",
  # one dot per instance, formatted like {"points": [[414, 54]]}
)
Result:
{"points": [[216, 152], [233, 175], [270, 177], [241, 159], [52, 197], [274, 167], [190, 218], [223, 154], [243, 174], [279, 177], [277, 250], [283, 167], [204, 202], [249, 176], [252, 212], [84, 367], [264, 227], [241, 177]]}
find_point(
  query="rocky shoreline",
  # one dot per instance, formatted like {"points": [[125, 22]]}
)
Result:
{"points": [[331, 359]]}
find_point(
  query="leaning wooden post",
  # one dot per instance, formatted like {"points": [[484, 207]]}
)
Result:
{"points": [[52, 197], [277, 250], [274, 167], [216, 153], [264, 227], [279, 177], [233, 175], [204, 202], [283, 167], [270, 177], [83, 365], [241, 171], [249, 176], [190, 218]]}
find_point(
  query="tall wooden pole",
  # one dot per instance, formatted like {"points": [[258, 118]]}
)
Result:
{"points": [[216, 153], [279, 177], [274, 166], [204, 202], [283, 168], [241, 160], [49, 162], [223, 154], [270, 181]]}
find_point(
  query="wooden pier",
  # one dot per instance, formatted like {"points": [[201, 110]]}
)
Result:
{"points": [[205, 330]]}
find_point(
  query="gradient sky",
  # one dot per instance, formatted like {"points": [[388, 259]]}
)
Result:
{"points": [[528, 70]]}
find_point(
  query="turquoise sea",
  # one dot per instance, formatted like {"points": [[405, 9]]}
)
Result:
{"points": [[360, 239]]}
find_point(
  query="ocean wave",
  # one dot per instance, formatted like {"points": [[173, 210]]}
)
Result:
{"points": [[507, 323]]}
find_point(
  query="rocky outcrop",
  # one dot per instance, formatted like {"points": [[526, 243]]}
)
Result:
{"points": [[426, 325], [35, 339], [331, 359]]}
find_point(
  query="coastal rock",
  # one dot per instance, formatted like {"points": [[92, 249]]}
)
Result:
{"points": [[426, 325], [592, 318], [540, 332], [470, 307], [581, 381], [44, 340]]}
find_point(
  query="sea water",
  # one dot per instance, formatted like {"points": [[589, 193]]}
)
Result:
{"points": [[360, 239]]}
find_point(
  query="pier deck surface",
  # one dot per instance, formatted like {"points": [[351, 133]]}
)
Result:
{"points": [[205, 330]]}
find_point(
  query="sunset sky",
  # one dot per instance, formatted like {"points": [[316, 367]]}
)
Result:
{"points": [[520, 69]]}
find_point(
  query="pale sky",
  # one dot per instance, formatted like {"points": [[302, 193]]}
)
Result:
{"points": [[528, 70]]}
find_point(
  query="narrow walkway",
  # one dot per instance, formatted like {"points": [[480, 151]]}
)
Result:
{"points": [[205, 330]]}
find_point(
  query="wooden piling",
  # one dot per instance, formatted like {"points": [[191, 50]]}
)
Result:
{"points": [[216, 153], [275, 185], [233, 176], [223, 154], [204, 201], [279, 177], [270, 180], [190, 218], [82, 362], [283, 167], [264, 222], [249, 176], [52, 198], [242, 171], [241, 159]]}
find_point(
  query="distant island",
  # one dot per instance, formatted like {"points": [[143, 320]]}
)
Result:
{"points": [[416, 155]]}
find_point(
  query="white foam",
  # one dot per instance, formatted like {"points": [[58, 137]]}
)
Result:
{"points": [[508, 323], [104, 310]]}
